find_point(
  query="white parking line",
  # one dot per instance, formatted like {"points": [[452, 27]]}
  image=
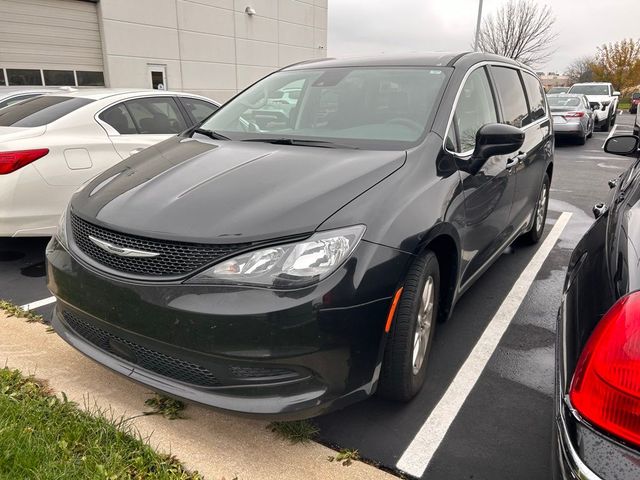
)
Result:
{"points": [[38, 303], [613, 130], [420, 451]]}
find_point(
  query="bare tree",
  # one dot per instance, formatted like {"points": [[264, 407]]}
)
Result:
{"points": [[581, 70], [521, 30]]}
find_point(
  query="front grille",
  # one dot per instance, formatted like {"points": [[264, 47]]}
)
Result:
{"points": [[146, 358], [174, 259]]}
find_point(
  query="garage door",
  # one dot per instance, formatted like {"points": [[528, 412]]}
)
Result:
{"points": [[56, 40]]}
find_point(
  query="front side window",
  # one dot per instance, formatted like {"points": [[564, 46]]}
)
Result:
{"points": [[514, 103], [156, 116], [39, 111], [199, 109], [476, 107], [362, 107], [535, 93]]}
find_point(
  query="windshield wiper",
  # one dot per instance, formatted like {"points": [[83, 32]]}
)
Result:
{"points": [[209, 133], [300, 142]]}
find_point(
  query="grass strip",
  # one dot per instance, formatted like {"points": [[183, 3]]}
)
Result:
{"points": [[46, 437], [15, 311]]}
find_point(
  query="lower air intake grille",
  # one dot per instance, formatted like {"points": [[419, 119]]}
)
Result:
{"points": [[144, 357]]}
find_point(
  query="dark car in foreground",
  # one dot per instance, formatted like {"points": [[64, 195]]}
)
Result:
{"points": [[293, 266], [597, 392], [635, 101]]}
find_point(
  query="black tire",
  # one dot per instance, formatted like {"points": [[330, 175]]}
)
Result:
{"points": [[582, 140], [593, 127], [605, 126], [535, 234], [398, 380]]}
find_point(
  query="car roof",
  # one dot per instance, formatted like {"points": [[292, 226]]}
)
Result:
{"points": [[591, 83], [123, 93], [432, 59]]}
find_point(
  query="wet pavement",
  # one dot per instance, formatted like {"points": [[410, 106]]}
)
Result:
{"points": [[503, 428]]}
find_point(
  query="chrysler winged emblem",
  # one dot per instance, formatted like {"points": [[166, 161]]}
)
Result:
{"points": [[121, 251]]}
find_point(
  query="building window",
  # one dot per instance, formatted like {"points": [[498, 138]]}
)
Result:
{"points": [[90, 79], [24, 77], [59, 78]]}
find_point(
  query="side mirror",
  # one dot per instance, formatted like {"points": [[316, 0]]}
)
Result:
{"points": [[622, 145], [492, 139], [616, 94]]}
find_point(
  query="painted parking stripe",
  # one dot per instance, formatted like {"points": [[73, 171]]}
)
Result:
{"points": [[38, 303], [613, 130], [420, 451]]}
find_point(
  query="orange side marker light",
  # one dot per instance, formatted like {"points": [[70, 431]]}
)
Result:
{"points": [[392, 310]]}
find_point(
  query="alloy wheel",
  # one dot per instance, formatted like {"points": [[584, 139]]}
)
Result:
{"points": [[540, 210], [424, 321]]}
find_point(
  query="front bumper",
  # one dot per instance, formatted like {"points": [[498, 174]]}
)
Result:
{"points": [[280, 354]]}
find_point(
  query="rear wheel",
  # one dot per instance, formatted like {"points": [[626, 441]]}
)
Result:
{"points": [[593, 127], [540, 214], [582, 139], [407, 349]]}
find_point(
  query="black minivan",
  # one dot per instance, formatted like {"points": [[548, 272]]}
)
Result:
{"points": [[289, 258]]}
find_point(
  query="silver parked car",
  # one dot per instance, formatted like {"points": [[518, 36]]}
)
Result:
{"points": [[572, 116]]}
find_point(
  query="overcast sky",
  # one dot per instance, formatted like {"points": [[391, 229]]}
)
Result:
{"points": [[365, 27]]}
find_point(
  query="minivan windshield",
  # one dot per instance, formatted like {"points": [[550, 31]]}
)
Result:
{"points": [[358, 107], [39, 111], [590, 89]]}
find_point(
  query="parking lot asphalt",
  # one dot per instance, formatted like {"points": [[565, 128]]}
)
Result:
{"points": [[502, 428]]}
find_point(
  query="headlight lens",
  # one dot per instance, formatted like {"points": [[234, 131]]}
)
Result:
{"points": [[605, 104], [61, 233], [292, 265]]}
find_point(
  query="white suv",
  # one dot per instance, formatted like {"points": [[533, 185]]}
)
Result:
{"points": [[603, 99]]}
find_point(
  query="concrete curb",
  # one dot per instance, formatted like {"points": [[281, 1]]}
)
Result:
{"points": [[219, 446]]}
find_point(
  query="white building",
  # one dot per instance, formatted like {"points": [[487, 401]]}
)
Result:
{"points": [[210, 47]]}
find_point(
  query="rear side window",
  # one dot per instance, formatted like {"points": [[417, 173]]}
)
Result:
{"points": [[118, 117], [156, 115], [39, 111], [199, 109], [475, 108], [537, 107], [514, 103]]}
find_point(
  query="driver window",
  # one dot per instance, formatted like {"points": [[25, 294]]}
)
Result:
{"points": [[476, 107]]}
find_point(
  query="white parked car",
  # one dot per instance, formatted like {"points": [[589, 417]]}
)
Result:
{"points": [[603, 99], [52, 144], [11, 95]]}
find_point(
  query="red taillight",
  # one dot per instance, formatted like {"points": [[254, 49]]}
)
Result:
{"points": [[605, 388], [574, 114], [12, 161]]}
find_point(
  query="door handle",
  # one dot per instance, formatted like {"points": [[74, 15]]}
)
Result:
{"points": [[512, 162]]}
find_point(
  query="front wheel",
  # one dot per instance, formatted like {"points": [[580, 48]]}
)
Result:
{"points": [[540, 214], [407, 349]]}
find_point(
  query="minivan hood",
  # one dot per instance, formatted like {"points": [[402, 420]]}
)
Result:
{"points": [[229, 192]]}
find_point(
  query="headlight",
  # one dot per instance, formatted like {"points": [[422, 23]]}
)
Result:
{"points": [[61, 233], [605, 104], [291, 265]]}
